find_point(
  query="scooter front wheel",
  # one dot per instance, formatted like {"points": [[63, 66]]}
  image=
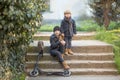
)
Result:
{"points": [[67, 73]]}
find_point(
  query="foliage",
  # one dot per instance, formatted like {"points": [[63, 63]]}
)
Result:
{"points": [[105, 11], [87, 25], [106, 36], [112, 38], [47, 28], [22, 77], [19, 20], [114, 25]]}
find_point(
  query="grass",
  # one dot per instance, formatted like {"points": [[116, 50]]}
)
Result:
{"points": [[113, 38], [86, 25], [47, 27]]}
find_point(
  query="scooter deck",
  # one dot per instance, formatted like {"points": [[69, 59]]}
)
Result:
{"points": [[66, 73], [37, 72]]}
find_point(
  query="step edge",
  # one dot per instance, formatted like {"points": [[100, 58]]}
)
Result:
{"points": [[79, 54], [82, 69], [71, 62], [103, 43]]}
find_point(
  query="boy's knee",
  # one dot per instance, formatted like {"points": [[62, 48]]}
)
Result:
{"points": [[59, 54], [61, 60]]}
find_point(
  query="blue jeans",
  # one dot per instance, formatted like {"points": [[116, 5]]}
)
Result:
{"points": [[58, 53], [68, 40]]}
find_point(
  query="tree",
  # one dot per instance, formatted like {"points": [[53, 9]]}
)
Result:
{"points": [[105, 11], [19, 20]]}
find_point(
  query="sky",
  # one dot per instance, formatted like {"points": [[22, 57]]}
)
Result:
{"points": [[77, 7]]}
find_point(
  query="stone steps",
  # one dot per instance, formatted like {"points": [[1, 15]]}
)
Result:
{"points": [[73, 64], [91, 57], [84, 71], [78, 46], [76, 56]]}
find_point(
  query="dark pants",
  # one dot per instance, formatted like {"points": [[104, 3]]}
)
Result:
{"points": [[68, 40], [58, 53]]}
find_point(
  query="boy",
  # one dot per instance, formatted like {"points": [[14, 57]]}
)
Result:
{"points": [[68, 30], [57, 46]]}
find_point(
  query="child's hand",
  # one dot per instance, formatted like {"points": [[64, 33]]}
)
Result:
{"points": [[62, 34], [62, 42]]}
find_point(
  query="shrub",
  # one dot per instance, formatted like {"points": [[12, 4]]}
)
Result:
{"points": [[19, 20], [114, 25]]}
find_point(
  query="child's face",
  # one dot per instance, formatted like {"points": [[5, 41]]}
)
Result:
{"points": [[57, 32], [67, 15]]}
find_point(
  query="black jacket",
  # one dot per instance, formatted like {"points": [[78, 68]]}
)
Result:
{"points": [[54, 42], [68, 27]]}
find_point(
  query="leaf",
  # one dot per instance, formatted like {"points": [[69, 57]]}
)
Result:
{"points": [[28, 15], [3, 22], [0, 26]]}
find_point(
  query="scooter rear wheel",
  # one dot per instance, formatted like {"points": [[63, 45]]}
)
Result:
{"points": [[34, 73]]}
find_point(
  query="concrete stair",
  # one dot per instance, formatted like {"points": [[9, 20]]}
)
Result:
{"points": [[73, 64], [79, 46], [76, 56], [91, 57], [85, 71]]}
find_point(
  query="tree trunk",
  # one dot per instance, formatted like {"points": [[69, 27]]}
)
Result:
{"points": [[106, 18], [106, 8]]}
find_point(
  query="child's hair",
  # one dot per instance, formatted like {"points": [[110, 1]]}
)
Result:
{"points": [[56, 28]]}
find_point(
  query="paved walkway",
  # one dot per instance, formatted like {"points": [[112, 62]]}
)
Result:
{"points": [[82, 77]]}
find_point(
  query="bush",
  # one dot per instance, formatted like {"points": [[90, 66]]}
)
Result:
{"points": [[114, 25], [107, 36], [19, 20]]}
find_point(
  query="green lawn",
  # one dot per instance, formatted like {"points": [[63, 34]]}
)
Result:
{"points": [[87, 25]]}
